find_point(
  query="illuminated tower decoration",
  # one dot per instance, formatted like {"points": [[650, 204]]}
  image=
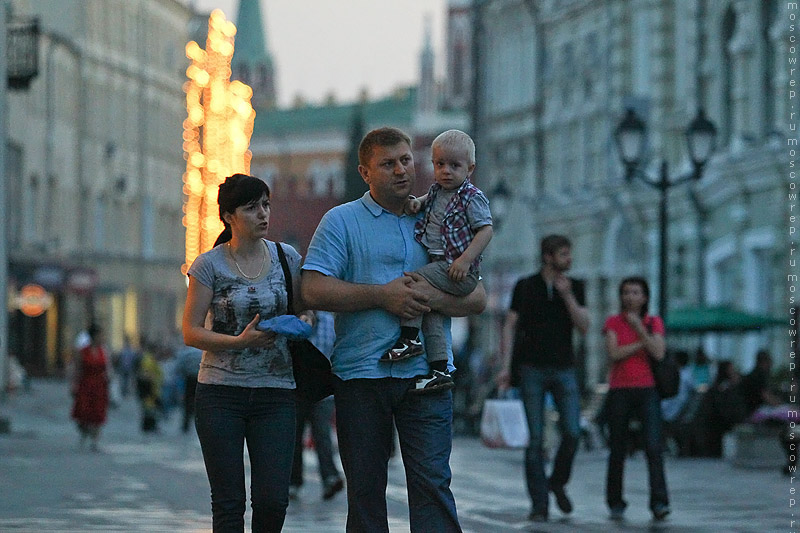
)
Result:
{"points": [[216, 133]]}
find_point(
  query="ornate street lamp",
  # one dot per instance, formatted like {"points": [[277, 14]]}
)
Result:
{"points": [[701, 139], [631, 138], [501, 202]]}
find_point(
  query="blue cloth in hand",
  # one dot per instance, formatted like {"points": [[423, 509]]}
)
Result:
{"points": [[289, 326]]}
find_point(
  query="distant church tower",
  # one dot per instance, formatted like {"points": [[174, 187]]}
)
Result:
{"points": [[426, 94], [252, 63], [459, 54]]}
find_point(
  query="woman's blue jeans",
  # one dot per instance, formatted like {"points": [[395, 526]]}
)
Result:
{"points": [[645, 404], [264, 418]]}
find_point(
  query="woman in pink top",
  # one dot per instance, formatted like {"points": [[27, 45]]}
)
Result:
{"points": [[632, 338]]}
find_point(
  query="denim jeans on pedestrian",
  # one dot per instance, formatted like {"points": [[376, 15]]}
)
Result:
{"points": [[264, 418], [319, 415], [563, 385], [365, 409], [645, 404]]}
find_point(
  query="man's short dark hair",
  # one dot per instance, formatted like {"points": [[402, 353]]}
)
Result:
{"points": [[553, 243], [380, 137]]}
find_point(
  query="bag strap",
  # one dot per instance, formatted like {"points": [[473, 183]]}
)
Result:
{"points": [[287, 276]]}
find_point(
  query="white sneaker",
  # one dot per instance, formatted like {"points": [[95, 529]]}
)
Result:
{"points": [[434, 382]]}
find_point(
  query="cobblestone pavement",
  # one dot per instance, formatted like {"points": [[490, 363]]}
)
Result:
{"points": [[158, 483]]}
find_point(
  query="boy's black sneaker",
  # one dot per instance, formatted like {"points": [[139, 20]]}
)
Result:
{"points": [[403, 349], [434, 382]]}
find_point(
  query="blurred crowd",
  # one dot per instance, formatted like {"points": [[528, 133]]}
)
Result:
{"points": [[714, 396]]}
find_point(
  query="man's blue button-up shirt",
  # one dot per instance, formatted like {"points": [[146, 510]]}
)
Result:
{"points": [[361, 242]]}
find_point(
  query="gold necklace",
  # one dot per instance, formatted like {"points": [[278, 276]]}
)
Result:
{"points": [[260, 270]]}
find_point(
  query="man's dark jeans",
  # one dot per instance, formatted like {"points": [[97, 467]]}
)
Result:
{"points": [[645, 404], [563, 385], [365, 409], [226, 418]]}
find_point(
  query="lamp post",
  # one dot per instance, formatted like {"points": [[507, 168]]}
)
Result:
{"points": [[631, 139], [501, 200]]}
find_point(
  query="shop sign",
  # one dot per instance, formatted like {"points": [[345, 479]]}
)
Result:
{"points": [[33, 300], [82, 280]]}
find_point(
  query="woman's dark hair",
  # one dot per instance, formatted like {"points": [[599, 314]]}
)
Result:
{"points": [[236, 191], [640, 281]]}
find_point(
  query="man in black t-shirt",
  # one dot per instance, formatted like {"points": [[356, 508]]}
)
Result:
{"points": [[545, 308]]}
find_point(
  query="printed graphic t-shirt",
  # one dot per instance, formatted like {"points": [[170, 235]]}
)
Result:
{"points": [[235, 302]]}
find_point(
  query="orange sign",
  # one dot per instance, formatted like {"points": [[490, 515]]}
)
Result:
{"points": [[33, 300]]}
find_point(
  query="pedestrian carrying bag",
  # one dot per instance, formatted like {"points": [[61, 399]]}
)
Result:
{"points": [[666, 372], [503, 424], [312, 370]]}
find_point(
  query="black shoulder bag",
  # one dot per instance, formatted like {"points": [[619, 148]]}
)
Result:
{"points": [[666, 373], [312, 370]]}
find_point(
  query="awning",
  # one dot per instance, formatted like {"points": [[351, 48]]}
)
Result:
{"points": [[718, 319]]}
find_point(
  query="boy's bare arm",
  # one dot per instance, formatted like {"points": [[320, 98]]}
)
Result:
{"points": [[459, 268], [479, 243], [414, 204]]}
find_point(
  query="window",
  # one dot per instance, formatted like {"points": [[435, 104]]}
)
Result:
{"points": [[727, 292], [592, 61], [728, 29], [147, 226], [642, 38], [568, 58], [768, 8], [99, 223]]}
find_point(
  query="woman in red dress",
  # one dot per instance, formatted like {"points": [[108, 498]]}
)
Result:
{"points": [[90, 388]]}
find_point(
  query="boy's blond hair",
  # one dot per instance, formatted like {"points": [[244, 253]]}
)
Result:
{"points": [[456, 140]]}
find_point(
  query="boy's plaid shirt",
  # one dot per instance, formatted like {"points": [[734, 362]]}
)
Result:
{"points": [[456, 230]]}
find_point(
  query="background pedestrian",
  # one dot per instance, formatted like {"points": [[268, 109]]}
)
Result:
{"points": [[90, 388], [538, 355], [319, 416], [632, 337]]}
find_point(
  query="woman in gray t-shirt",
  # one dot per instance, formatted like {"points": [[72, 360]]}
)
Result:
{"points": [[245, 384]]}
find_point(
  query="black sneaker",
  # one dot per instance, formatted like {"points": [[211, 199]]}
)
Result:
{"points": [[617, 513], [660, 511], [434, 382], [562, 500], [538, 516], [403, 349]]}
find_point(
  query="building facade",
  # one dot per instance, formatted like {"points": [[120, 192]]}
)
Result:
{"points": [[307, 153], [554, 79], [94, 175]]}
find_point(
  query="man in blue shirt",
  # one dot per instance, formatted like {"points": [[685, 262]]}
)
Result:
{"points": [[356, 266]]}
